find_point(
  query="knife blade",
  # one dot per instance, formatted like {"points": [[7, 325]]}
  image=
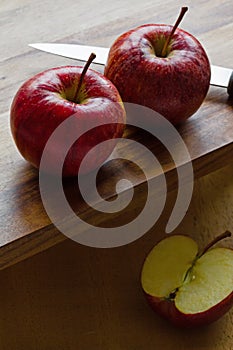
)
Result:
{"points": [[220, 76], [77, 52]]}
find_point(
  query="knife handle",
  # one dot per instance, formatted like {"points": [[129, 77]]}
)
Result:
{"points": [[230, 86]]}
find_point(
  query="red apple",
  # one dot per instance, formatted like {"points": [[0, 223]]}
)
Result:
{"points": [[46, 100], [187, 288], [160, 67]]}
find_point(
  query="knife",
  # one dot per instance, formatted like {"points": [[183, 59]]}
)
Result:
{"points": [[220, 76]]}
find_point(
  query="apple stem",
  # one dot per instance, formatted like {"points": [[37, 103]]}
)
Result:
{"points": [[179, 19], [85, 68], [215, 240]]}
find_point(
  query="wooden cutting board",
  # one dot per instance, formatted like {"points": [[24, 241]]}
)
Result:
{"points": [[25, 226]]}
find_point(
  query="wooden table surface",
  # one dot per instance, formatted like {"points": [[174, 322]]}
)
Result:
{"points": [[120, 319]]}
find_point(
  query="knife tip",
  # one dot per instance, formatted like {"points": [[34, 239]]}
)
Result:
{"points": [[34, 45], [37, 45]]}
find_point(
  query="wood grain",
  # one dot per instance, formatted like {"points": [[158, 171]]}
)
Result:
{"points": [[77, 297], [25, 227]]}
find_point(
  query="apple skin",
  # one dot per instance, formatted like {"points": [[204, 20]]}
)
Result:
{"points": [[168, 310], [44, 101], [174, 86]]}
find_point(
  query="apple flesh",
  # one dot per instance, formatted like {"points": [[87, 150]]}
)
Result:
{"points": [[188, 289], [174, 85], [43, 102]]}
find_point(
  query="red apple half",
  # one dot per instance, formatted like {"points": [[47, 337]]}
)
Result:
{"points": [[43, 102], [185, 287], [173, 85]]}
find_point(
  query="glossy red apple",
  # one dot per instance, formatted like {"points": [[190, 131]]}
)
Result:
{"points": [[43, 102], [160, 67], [185, 287]]}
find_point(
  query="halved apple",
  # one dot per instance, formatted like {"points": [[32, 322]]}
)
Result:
{"points": [[186, 287]]}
